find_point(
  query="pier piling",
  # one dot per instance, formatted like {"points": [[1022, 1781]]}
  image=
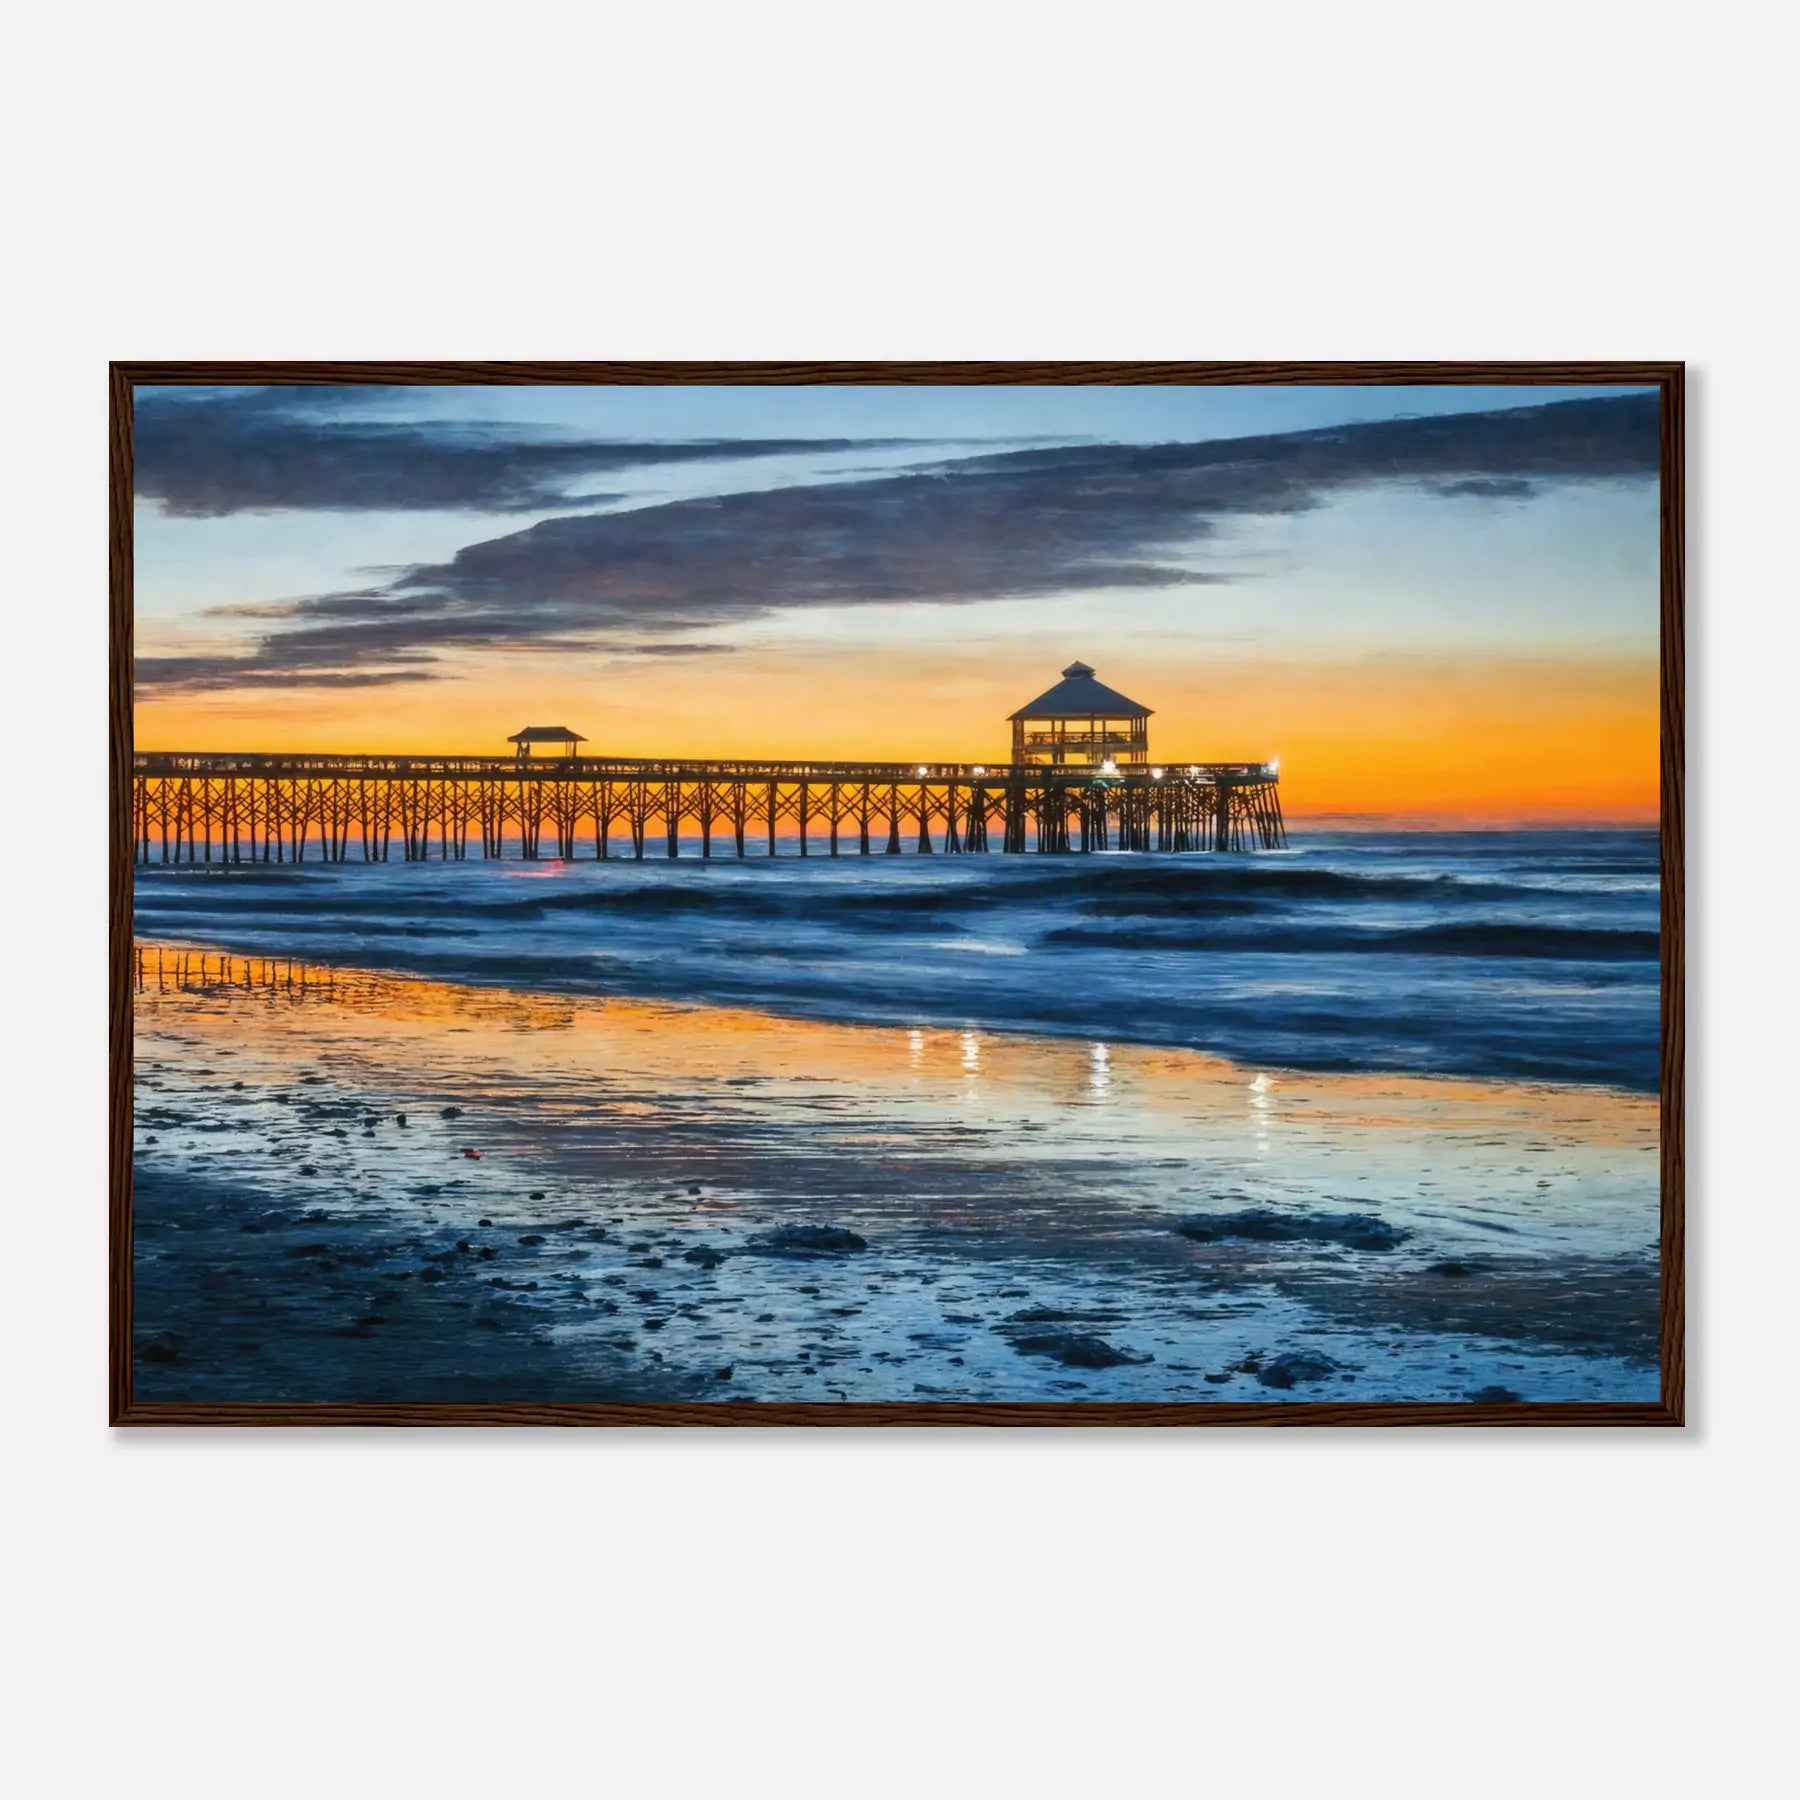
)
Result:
{"points": [[220, 808]]}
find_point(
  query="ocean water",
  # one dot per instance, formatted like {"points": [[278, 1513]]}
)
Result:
{"points": [[1525, 955]]}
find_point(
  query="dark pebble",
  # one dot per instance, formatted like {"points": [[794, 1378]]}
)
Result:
{"points": [[1261, 1224], [807, 1240], [1301, 1365], [531, 1237], [1078, 1350]]}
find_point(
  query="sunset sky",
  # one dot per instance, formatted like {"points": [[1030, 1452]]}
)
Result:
{"points": [[1430, 603]]}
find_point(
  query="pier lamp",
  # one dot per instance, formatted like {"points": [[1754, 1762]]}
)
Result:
{"points": [[1193, 768], [979, 769], [1274, 765], [1156, 774], [1109, 767], [923, 770]]}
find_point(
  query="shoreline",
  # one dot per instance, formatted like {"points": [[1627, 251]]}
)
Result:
{"points": [[1018, 1201], [897, 1017]]}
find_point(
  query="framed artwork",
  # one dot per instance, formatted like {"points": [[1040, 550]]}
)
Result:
{"points": [[896, 893]]}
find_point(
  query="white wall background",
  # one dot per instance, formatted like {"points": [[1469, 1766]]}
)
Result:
{"points": [[1134, 1615]]}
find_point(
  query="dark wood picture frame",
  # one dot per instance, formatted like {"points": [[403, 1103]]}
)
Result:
{"points": [[1668, 1409]]}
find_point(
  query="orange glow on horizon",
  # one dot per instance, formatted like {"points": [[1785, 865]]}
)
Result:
{"points": [[1482, 740]]}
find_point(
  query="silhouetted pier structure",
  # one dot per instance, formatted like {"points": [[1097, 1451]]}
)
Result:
{"points": [[1080, 779], [198, 807]]}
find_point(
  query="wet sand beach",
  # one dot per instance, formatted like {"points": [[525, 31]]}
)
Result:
{"points": [[362, 1186]]}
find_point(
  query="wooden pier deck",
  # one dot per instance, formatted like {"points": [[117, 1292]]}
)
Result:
{"points": [[209, 806]]}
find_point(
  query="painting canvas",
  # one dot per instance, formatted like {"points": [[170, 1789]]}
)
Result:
{"points": [[728, 896]]}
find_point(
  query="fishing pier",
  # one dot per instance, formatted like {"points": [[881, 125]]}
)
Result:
{"points": [[1079, 779]]}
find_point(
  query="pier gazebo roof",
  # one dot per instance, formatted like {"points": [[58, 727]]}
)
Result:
{"points": [[546, 734], [1079, 696]]}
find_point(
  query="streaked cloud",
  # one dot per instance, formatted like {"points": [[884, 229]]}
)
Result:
{"points": [[209, 452], [1020, 524]]}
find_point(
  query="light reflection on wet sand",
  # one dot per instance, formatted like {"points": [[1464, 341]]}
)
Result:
{"points": [[998, 1170]]}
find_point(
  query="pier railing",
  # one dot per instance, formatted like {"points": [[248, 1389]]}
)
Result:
{"points": [[217, 763], [202, 806]]}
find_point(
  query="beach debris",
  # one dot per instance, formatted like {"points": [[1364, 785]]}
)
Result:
{"points": [[452, 1112], [1298, 1365], [308, 1169], [1262, 1224], [700, 1205], [399, 1118], [1494, 1396], [1452, 1270], [484, 1221], [705, 1255], [164, 1347], [472, 1155], [535, 1194], [723, 1374], [693, 1190], [1078, 1350], [807, 1241], [531, 1238]]}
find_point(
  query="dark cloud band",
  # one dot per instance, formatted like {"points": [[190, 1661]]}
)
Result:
{"points": [[1018, 525], [206, 453]]}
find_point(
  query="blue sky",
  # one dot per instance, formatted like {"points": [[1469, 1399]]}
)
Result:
{"points": [[1472, 570]]}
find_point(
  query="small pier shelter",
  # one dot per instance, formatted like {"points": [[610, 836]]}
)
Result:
{"points": [[522, 741]]}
